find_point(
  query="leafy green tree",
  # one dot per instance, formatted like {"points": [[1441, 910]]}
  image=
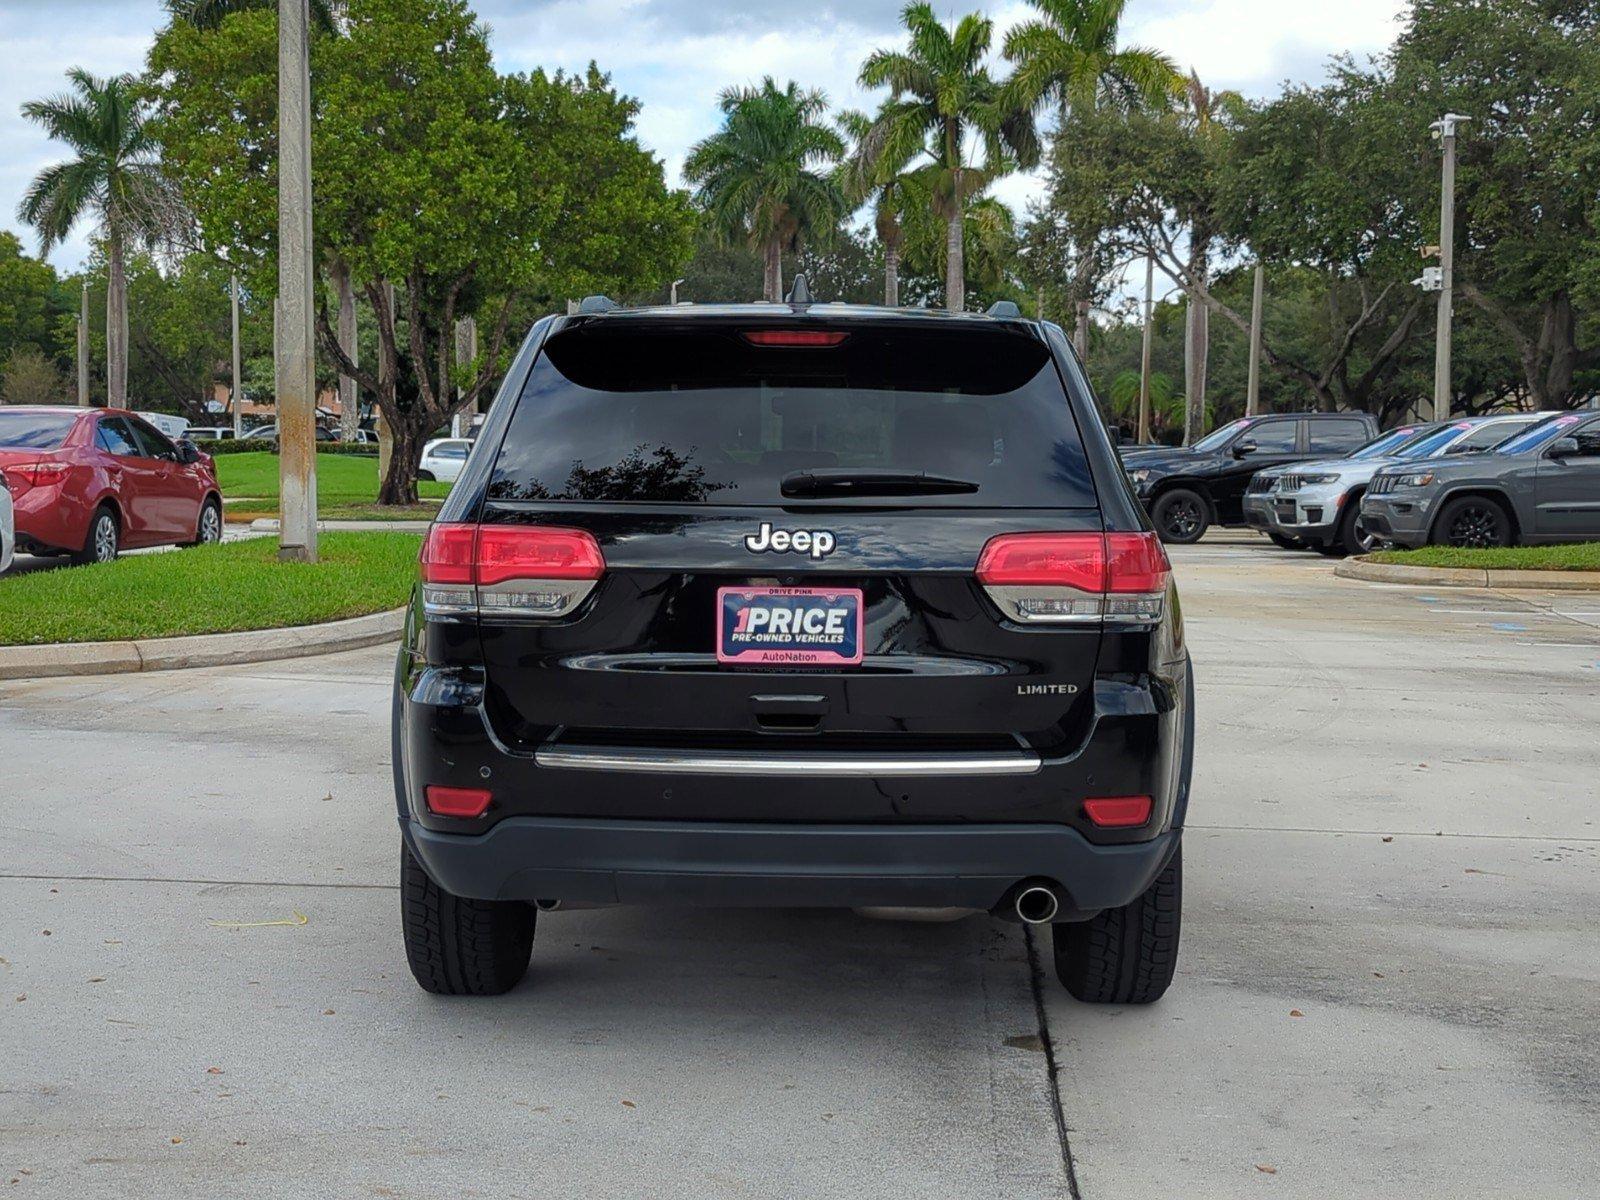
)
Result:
{"points": [[1069, 56], [1528, 221], [31, 377], [943, 104], [448, 189], [764, 179], [208, 14], [868, 175], [31, 302], [113, 180]]}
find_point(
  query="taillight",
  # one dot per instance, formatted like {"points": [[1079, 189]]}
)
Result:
{"points": [[507, 570], [1076, 577], [44, 474]]}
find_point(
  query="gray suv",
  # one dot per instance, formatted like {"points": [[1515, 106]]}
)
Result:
{"points": [[1319, 503], [1542, 485]]}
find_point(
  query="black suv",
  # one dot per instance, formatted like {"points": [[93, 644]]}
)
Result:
{"points": [[1188, 490], [793, 605]]}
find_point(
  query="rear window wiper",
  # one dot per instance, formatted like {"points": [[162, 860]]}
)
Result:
{"points": [[848, 481]]}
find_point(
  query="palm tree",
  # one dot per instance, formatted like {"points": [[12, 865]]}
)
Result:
{"points": [[870, 175], [758, 178], [1069, 55], [208, 14], [942, 97], [115, 180]]}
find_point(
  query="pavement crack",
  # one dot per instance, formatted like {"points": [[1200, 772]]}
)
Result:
{"points": [[1052, 1066]]}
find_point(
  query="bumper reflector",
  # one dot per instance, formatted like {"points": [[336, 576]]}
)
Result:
{"points": [[457, 802], [1118, 812]]}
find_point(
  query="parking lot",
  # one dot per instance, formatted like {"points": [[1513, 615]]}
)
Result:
{"points": [[1389, 984]]}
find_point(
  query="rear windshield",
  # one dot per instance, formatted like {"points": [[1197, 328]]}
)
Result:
{"points": [[35, 431], [615, 411]]}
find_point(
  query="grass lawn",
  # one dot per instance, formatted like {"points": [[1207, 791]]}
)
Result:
{"points": [[342, 479], [208, 589], [1582, 556], [245, 510]]}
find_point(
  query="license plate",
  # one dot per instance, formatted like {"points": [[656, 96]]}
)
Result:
{"points": [[789, 626]]}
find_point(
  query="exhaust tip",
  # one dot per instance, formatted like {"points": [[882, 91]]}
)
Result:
{"points": [[1036, 905], [547, 905]]}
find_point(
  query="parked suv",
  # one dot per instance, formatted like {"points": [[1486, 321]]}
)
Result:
{"points": [[1320, 502], [1188, 490], [1261, 494], [1540, 485], [793, 605]]}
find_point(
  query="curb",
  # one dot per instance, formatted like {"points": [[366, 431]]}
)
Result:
{"points": [[199, 650], [270, 525], [1554, 581]]}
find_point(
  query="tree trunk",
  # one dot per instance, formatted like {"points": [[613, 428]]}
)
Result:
{"points": [[772, 275], [1196, 331], [349, 395], [891, 275], [1080, 339], [405, 460], [955, 264], [116, 325]]}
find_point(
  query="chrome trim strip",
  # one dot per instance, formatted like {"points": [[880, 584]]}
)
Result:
{"points": [[818, 765]]}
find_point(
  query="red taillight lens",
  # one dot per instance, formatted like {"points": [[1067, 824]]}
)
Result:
{"points": [[1136, 562], [1075, 560], [530, 552], [449, 554], [795, 337], [1118, 812], [1076, 577], [507, 570], [457, 802], [44, 474]]}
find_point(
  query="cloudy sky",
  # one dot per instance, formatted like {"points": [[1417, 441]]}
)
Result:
{"points": [[675, 55]]}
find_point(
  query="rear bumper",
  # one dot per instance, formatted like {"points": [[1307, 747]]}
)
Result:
{"points": [[736, 864]]}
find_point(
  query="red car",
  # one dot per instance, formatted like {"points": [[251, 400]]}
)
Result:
{"points": [[89, 481]]}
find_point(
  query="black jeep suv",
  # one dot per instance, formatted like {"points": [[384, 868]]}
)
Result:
{"points": [[1190, 489], [793, 605]]}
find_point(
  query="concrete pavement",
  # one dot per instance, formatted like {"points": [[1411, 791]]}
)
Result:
{"points": [[1444, 980]]}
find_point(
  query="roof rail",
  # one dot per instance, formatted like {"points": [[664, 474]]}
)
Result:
{"points": [[799, 292], [1004, 308], [597, 304]]}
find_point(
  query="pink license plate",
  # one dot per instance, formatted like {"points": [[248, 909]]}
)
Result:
{"points": [[789, 626]]}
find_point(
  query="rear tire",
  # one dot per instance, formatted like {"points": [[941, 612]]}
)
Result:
{"points": [[103, 540], [461, 947], [1475, 522], [425, 477], [1181, 516], [1125, 955], [208, 530]]}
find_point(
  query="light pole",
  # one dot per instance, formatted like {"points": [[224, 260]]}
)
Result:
{"points": [[675, 284], [296, 359], [1145, 349], [238, 380], [83, 350], [1445, 130], [1252, 395]]}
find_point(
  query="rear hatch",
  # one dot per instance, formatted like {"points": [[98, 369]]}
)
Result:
{"points": [[726, 468]]}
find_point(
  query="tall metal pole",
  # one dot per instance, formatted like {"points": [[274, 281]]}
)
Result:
{"points": [[238, 374], [1144, 353], [83, 350], [1446, 129], [296, 368], [1252, 396]]}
